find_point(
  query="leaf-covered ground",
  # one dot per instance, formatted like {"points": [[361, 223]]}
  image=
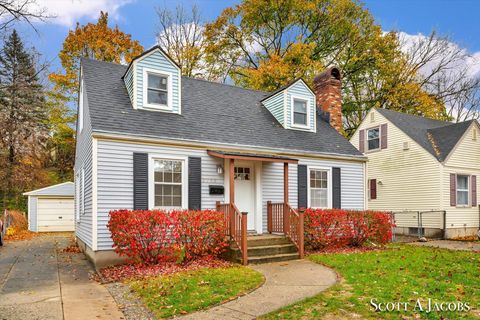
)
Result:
{"points": [[185, 292], [124, 272], [402, 274]]}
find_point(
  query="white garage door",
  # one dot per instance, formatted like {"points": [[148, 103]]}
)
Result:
{"points": [[55, 215]]}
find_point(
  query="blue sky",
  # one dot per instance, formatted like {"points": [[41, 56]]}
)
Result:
{"points": [[458, 19]]}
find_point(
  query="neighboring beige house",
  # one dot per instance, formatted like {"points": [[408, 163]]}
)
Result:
{"points": [[420, 164]]}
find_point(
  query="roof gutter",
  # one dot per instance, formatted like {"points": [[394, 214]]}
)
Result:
{"points": [[103, 134]]}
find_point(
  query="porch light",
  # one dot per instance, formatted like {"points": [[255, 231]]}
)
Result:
{"points": [[220, 169]]}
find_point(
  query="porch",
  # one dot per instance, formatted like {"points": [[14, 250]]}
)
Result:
{"points": [[282, 219]]}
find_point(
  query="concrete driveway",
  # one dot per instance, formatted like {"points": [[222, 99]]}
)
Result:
{"points": [[38, 281]]}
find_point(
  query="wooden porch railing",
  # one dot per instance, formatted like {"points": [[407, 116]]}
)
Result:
{"points": [[235, 226], [282, 218]]}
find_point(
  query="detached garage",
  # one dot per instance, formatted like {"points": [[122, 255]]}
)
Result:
{"points": [[51, 209]]}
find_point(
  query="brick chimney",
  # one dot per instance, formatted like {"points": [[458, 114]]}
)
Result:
{"points": [[328, 92]]}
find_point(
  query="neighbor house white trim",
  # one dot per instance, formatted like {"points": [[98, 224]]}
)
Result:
{"points": [[151, 180], [329, 185], [157, 107]]}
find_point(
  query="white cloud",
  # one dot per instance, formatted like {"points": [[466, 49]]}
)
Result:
{"points": [[68, 12], [469, 61]]}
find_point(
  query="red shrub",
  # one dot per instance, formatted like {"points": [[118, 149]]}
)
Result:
{"points": [[155, 236], [201, 233], [143, 235], [337, 228]]}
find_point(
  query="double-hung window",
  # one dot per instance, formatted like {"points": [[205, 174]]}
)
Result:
{"points": [[168, 183], [373, 138], [157, 89], [300, 114], [463, 190], [319, 188]]}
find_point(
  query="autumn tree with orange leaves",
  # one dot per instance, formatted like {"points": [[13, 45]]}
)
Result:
{"points": [[96, 41]]}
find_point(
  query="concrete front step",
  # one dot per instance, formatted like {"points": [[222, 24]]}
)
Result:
{"points": [[266, 248], [269, 250], [272, 258], [266, 240]]}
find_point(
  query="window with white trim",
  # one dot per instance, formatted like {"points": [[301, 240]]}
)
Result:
{"points": [[463, 190], [168, 183], [157, 89], [300, 114], [319, 188], [373, 138]]}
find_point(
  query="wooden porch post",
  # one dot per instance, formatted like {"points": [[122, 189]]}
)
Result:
{"points": [[232, 196], [269, 217], [244, 239], [285, 197], [301, 234]]}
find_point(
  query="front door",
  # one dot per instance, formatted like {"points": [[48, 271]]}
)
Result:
{"points": [[245, 192]]}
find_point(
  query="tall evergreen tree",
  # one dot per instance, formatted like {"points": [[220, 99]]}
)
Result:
{"points": [[23, 125]]}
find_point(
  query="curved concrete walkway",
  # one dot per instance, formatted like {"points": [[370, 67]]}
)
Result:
{"points": [[286, 283]]}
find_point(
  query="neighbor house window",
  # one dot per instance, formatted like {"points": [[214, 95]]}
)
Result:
{"points": [[463, 190], [300, 112], [373, 139], [157, 89], [318, 188], [168, 183]]}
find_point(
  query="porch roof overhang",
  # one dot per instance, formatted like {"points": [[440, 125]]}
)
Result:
{"points": [[250, 156]]}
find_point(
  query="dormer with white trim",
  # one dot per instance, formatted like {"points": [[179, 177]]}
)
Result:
{"points": [[153, 82], [293, 106]]}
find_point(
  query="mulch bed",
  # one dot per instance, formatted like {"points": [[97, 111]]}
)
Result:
{"points": [[130, 271]]}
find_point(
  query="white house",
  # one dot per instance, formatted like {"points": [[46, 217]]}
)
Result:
{"points": [[420, 164], [148, 137]]}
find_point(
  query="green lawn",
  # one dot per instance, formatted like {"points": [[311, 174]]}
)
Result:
{"points": [[401, 274], [185, 292]]}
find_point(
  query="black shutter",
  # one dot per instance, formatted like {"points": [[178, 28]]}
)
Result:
{"points": [[336, 188], [194, 183], [302, 186], [140, 181]]}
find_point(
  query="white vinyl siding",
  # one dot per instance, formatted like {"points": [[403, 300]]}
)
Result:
{"points": [[115, 178], [83, 159], [276, 106]]}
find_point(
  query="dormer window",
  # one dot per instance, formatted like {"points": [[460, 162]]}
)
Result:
{"points": [[157, 89], [300, 112], [157, 92]]}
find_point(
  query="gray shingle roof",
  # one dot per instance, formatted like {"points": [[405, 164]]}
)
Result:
{"points": [[437, 137], [211, 112]]}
